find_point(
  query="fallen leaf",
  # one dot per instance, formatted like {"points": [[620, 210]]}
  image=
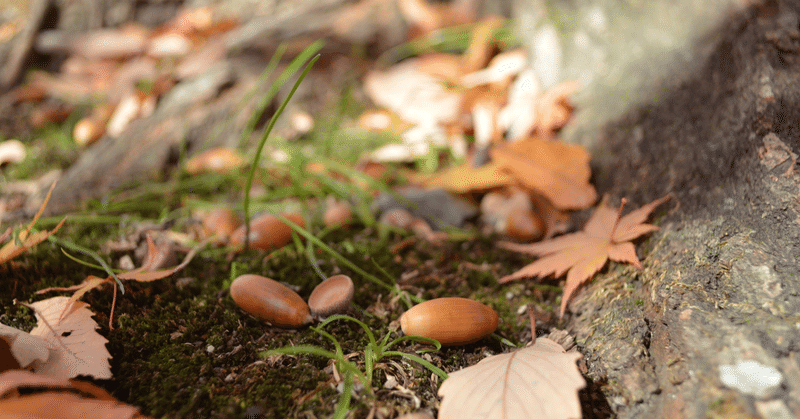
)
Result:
{"points": [[556, 170], [59, 346], [417, 97], [538, 381], [27, 395], [427, 17], [605, 236], [25, 240], [553, 108], [466, 178], [155, 256]]}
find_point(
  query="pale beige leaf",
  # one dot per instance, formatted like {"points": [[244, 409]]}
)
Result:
{"points": [[414, 95], [77, 347], [25, 349], [539, 381]]}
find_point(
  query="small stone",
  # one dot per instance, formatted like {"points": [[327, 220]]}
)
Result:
{"points": [[332, 296], [397, 217], [750, 377]]}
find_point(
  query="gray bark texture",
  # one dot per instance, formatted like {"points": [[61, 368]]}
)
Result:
{"points": [[710, 327]]}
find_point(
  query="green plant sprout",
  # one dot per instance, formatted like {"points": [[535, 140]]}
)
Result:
{"points": [[373, 353], [393, 288], [262, 142], [75, 248]]}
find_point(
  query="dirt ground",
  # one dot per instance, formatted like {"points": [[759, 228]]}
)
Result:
{"points": [[721, 282]]}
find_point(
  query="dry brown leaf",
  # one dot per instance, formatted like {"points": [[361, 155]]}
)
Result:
{"points": [[466, 178], [154, 258], [556, 170], [480, 47], [553, 108], [605, 236], [27, 240], [417, 97], [46, 397], [59, 347], [538, 381], [427, 17]]}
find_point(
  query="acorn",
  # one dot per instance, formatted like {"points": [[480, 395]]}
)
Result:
{"points": [[219, 159], [450, 320], [221, 222], [337, 212], [332, 296], [267, 232], [270, 301], [524, 225], [397, 217], [87, 131]]}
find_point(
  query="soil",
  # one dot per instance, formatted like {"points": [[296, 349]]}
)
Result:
{"points": [[720, 285]]}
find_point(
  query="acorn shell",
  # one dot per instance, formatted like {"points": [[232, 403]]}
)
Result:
{"points": [[337, 212], [332, 296], [524, 225], [450, 320], [267, 231], [270, 301], [220, 222]]}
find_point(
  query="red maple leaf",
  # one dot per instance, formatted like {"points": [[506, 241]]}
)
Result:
{"points": [[605, 236]]}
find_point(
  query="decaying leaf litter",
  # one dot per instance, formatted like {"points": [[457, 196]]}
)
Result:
{"points": [[461, 115]]}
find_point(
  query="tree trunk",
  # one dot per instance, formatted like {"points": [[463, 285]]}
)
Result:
{"points": [[721, 284]]}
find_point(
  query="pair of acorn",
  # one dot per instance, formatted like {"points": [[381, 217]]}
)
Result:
{"points": [[450, 320], [271, 301]]}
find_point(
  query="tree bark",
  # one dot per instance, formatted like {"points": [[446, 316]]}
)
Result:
{"points": [[721, 283]]}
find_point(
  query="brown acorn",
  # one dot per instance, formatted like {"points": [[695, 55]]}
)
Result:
{"points": [[270, 301], [524, 225], [450, 320], [332, 296], [220, 159], [337, 212], [267, 232], [221, 222]]}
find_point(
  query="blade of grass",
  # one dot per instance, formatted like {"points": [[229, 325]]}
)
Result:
{"points": [[75, 248], [263, 78], [260, 148], [290, 70], [85, 263], [310, 237], [433, 368]]}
